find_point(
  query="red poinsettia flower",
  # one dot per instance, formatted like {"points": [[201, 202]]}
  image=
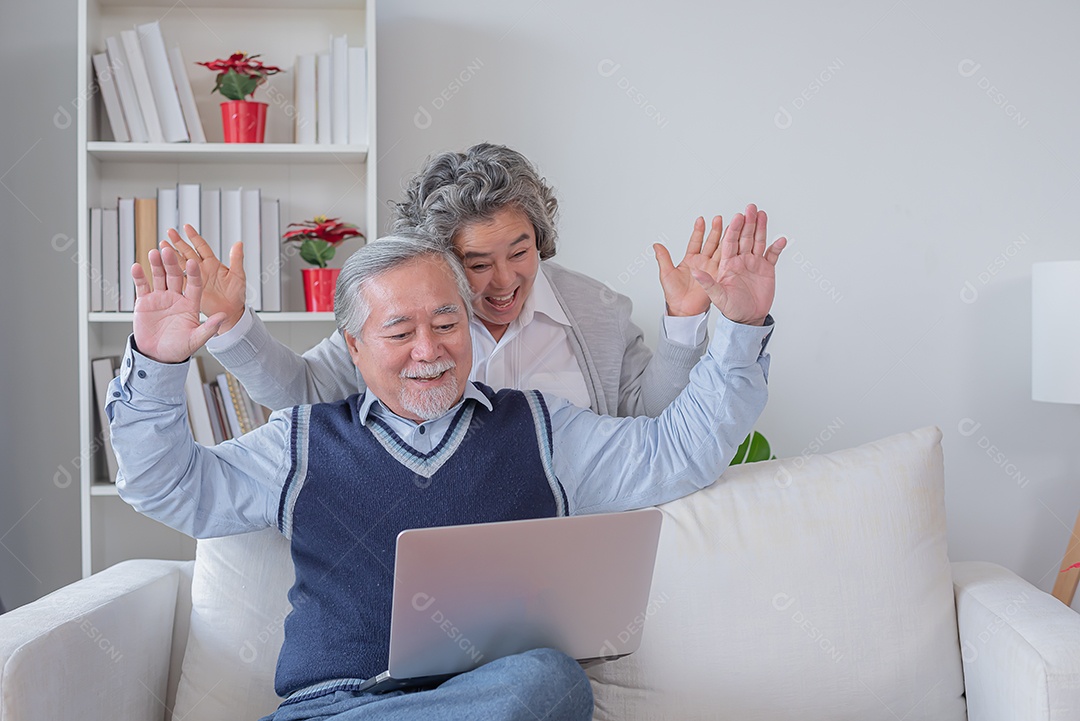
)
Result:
{"points": [[318, 236], [240, 74]]}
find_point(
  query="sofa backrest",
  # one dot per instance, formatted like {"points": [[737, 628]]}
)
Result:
{"points": [[813, 588]]}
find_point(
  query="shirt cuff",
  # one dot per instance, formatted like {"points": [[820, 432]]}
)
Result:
{"points": [[738, 344], [143, 376], [686, 330], [225, 341]]}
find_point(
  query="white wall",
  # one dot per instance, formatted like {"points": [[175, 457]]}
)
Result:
{"points": [[915, 201], [906, 190], [39, 429]]}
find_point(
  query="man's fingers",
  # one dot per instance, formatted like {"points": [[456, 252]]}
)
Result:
{"points": [[207, 330], [199, 243], [761, 233], [746, 237], [142, 285], [182, 249], [693, 246], [663, 259], [713, 241], [236, 259], [729, 246], [157, 270], [174, 274], [773, 253]]}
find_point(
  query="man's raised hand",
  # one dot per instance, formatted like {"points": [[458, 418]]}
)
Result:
{"points": [[224, 286], [166, 325], [740, 277]]}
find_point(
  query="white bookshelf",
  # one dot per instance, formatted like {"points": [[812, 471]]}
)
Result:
{"points": [[335, 180]]}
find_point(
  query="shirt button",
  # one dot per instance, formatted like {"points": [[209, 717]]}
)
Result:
{"points": [[116, 394], [141, 374], [422, 430], [128, 362]]}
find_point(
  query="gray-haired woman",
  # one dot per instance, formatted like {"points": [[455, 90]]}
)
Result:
{"points": [[537, 324]]}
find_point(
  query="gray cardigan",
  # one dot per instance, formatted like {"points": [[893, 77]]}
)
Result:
{"points": [[623, 376]]}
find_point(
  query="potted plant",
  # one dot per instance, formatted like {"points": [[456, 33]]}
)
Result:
{"points": [[244, 121], [318, 239]]}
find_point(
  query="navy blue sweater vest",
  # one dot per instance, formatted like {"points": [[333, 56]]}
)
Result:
{"points": [[353, 488]]}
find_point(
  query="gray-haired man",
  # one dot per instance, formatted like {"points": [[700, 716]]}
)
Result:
{"points": [[421, 447]]}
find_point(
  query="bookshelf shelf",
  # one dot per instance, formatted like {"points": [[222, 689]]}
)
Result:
{"points": [[305, 179], [283, 317], [349, 155]]}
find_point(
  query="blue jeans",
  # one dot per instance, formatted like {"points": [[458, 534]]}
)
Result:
{"points": [[539, 685]]}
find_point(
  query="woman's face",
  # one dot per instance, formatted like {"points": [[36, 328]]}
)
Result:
{"points": [[501, 262]]}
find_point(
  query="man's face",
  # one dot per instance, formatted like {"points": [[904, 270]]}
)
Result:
{"points": [[414, 351]]}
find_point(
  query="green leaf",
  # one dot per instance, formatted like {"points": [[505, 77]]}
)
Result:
{"points": [[753, 449], [235, 86], [317, 252]]}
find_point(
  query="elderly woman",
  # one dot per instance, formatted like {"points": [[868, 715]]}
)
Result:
{"points": [[536, 325]]}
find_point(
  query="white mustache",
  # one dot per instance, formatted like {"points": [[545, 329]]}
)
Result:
{"points": [[428, 370]]}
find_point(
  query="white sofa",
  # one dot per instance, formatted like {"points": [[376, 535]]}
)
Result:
{"points": [[811, 588]]}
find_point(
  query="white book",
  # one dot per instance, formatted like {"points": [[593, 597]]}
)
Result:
{"points": [[358, 125], [188, 202], [166, 213], [125, 88], [103, 371], [339, 90], [187, 98], [126, 213], [251, 235], [322, 100], [210, 218], [133, 54], [166, 99], [198, 411], [230, 408], [270, 227], [110, 260], [95, 260], [306, 114], [110, 98], [231, 226]]}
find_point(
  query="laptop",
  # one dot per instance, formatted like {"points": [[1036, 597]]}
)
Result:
{"points": [[467, 595]]}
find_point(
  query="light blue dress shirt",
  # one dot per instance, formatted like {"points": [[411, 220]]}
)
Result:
{"points": [[604, 463]]}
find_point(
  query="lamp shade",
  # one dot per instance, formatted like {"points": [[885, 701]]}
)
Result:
{"points": [[1055, 331]]}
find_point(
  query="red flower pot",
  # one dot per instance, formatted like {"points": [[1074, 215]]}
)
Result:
{"points": [[244, 121], [319, 285]]}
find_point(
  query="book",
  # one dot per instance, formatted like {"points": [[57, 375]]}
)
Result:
{"points": [[232, 412], [219, 410], [95, 260], [322, 99], [125, 89], [230, 222], [103, 371], [145, 233], [306, 114], [166, 99], [187, 98], [134, 57], [110, 99], [110, 260], [215, 411], [251, 235], [126, 224], [188, 210], [358, 120], [198, 410], [166, 217], [270, 229], [210, 216], [339, 90]]}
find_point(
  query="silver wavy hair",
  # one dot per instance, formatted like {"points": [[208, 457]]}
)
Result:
{"points": [[351, 309], [455, 189]]}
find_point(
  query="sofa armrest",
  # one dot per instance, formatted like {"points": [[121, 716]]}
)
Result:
{"points": [[95, 650], [1020, 647]]}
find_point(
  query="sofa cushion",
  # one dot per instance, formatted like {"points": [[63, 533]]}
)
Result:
{"points": [[812, 588], [238, 607]]}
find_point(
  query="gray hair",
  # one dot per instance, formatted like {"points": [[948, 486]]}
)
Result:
{"points": [[351, 309], [455, 189]]}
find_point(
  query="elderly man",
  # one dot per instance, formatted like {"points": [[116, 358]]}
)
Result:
{"points": [[421, 447]]}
